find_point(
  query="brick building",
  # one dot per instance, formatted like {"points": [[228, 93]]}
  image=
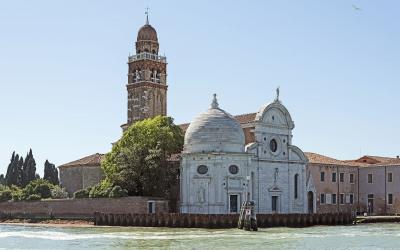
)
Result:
{"points": [[81, 173]]}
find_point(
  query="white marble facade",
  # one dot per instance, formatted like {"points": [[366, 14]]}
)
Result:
{"points": [[218, 170]]}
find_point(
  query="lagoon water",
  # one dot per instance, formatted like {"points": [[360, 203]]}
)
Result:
{"points": [[368, 236]]}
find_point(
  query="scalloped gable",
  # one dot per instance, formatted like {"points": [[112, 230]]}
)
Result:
{"points": [[296, 154], [275, 114]]}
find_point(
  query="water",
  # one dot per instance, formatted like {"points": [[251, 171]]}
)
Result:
{"points": [[368, 236]]}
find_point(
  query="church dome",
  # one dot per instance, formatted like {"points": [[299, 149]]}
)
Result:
{"points": [[147, 33], [214, 131]]}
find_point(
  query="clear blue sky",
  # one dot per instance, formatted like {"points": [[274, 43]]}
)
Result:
{"points": [[63, 70]]}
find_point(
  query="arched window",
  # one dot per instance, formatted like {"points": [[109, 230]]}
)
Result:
{"points": [[153, 51], [152, 75], [296, 186], [157, 77]]}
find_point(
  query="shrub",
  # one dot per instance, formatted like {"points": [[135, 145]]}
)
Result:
{"points": [[39, 187], [101, 190], [16, 196], [5, 195], [58, 193], [43, 190], [34, 197], [117, 191], [82, 193], [3, 187]]}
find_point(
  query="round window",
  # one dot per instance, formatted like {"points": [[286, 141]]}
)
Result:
{"points": [[202, 169], [233, 169], [273, 145]]}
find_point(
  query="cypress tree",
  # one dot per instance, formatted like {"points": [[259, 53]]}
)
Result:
{"points": [[9, 168], [29, 169], [14, 171], [2, 179], [50, 173]]}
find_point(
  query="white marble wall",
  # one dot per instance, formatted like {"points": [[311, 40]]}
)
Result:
{"points": [[272, 172]]}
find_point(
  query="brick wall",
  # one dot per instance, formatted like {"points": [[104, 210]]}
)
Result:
{"points": [[83, 207]]}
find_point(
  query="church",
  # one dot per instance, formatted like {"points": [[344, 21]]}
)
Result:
{"points": [[223, 163], [219, 172], [230, 159]]}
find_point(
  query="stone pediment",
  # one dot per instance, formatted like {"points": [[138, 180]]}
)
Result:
{"points": [[275, 189]]}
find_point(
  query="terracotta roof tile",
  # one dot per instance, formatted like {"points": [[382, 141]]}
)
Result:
{"points": [[315, 158], [379, 158], [242, 119], [91, 160], [245, 118], [391, 162]]}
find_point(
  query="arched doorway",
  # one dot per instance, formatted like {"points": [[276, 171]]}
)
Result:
{"points": [[310, 198]]}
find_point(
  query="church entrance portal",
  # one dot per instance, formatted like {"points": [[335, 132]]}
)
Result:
{"points": [[233, 203], [274, 204]]}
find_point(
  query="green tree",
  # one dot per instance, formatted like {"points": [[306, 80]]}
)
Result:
{"points": [[50, 173], [138, 161], [28, 169], [14, 171], [2, 179]]}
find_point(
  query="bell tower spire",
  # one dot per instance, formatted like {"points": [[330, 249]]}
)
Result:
{"points": [[147, 77]]}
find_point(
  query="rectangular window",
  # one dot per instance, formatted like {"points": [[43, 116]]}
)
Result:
{"points": [[341, 177], [351, 178], [351, 198], [328, 198], [334, 177], [390, 199], [151, 207], [369, 178], [333, 198], [390, 177], [322, 176], [341, 199], [322, 199], [296, 186]]}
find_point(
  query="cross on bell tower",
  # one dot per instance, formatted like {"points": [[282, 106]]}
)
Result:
{"points": [[147, 77]]}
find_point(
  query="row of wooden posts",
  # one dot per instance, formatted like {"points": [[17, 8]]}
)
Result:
{"points": [[219, 220]]}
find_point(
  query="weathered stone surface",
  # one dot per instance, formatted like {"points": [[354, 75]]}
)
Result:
{"points": [[83, 207]]}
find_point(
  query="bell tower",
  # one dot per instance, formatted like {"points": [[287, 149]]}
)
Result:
{"points": [[147, 78]]}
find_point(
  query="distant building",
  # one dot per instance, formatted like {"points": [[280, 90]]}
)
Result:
{"points": [[369, 184], [335, 183], [81, 173]]}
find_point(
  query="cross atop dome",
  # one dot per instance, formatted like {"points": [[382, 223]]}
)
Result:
{"points": [[147, 15]]}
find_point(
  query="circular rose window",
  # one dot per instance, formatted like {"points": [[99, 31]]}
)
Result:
{"points": [[273, 145], [233, 169], [202, 169]]}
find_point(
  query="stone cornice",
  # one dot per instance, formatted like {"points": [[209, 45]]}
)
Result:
{"points": [[146, 84]]}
